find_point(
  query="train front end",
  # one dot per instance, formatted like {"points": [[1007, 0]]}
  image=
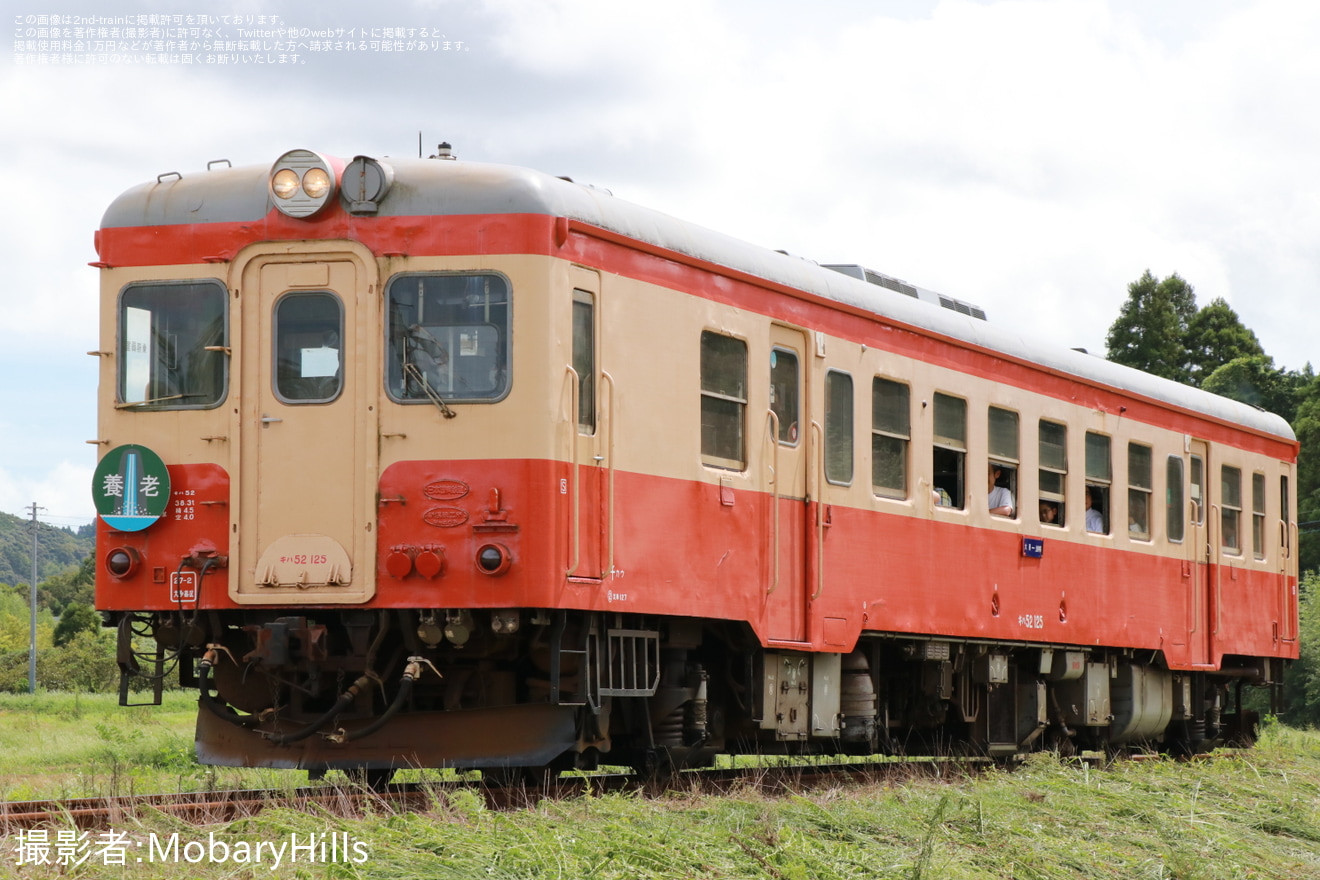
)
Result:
{"points": [[334, 484]]}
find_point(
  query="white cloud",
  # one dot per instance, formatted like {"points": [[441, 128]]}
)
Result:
{"points": [[64, 493], [1033, 156]]}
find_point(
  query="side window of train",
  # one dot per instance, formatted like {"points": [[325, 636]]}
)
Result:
{"points": [[1140, 488], [785, 393], [172, 339], [891, 431], [723, 400], [584, 358], [1173, 504], [448, 337], [309, 364], [1258, 515], [838, 427], [1099, 479], [1054, 467], [950, 451], [1002, 429], [1230, 500]]}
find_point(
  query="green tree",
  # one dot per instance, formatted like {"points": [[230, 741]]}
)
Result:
{"points": [[1256, 381], [1150, 332], [1306, 425], [1301, 682], [77, 618], [59, 591], [1215, 336]]}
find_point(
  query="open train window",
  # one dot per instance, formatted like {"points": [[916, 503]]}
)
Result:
{"points": [[891, 430], [308, 339], [1173, 503], [172, 339], [1054, 468], [1099, 478], [1230, 500], [723, 400], [448, 337], [1140, 489], [1002, 430], [838, 427], [950, 451]]}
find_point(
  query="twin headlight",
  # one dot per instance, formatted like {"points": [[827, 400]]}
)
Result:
{"points": [[302, 183]]}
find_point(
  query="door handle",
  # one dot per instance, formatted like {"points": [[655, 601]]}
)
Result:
{"points": [[266, 420]]}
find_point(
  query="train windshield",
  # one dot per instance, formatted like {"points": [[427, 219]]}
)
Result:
{"points": [[448, 337], [172, 345]]}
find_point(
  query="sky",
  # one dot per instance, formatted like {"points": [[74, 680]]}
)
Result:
{"points": [[1033, 157]]}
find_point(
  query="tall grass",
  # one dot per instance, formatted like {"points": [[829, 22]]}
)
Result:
{"points": [[1253, 814]]}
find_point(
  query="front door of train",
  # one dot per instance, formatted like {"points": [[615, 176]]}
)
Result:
{"points": [[784, 445], [307, 427]]}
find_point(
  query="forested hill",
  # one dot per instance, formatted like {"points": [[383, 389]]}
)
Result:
{"points": [[58, 550]]}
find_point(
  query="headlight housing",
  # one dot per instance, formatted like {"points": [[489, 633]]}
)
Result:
{"points": [[302, 183]]}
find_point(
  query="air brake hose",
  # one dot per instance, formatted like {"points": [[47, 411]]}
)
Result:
{"points": [[345, 700], [411, 673], [203, 684]]}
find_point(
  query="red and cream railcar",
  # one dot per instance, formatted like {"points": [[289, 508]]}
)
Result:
{"points": [[428, 462]]}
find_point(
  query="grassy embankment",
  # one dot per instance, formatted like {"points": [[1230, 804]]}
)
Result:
{"points": [[1251, 815]]}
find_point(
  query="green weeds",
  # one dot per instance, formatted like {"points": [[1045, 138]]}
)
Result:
{"points": [[1253, 814]]}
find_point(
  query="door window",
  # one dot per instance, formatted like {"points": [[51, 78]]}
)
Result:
{"points": [[309, 332]]}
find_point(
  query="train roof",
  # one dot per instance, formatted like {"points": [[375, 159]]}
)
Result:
{"points": [[432, 187]]}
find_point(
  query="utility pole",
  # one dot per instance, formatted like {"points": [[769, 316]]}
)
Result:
{"points": [[32, 631]]}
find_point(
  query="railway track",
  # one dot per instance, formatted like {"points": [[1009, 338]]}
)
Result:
{"points": [[215, 807]]}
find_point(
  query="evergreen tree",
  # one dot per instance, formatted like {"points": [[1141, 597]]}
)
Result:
{"points": [[1255, 380], [1215, 336], [1150, 332], [76, 618]]}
